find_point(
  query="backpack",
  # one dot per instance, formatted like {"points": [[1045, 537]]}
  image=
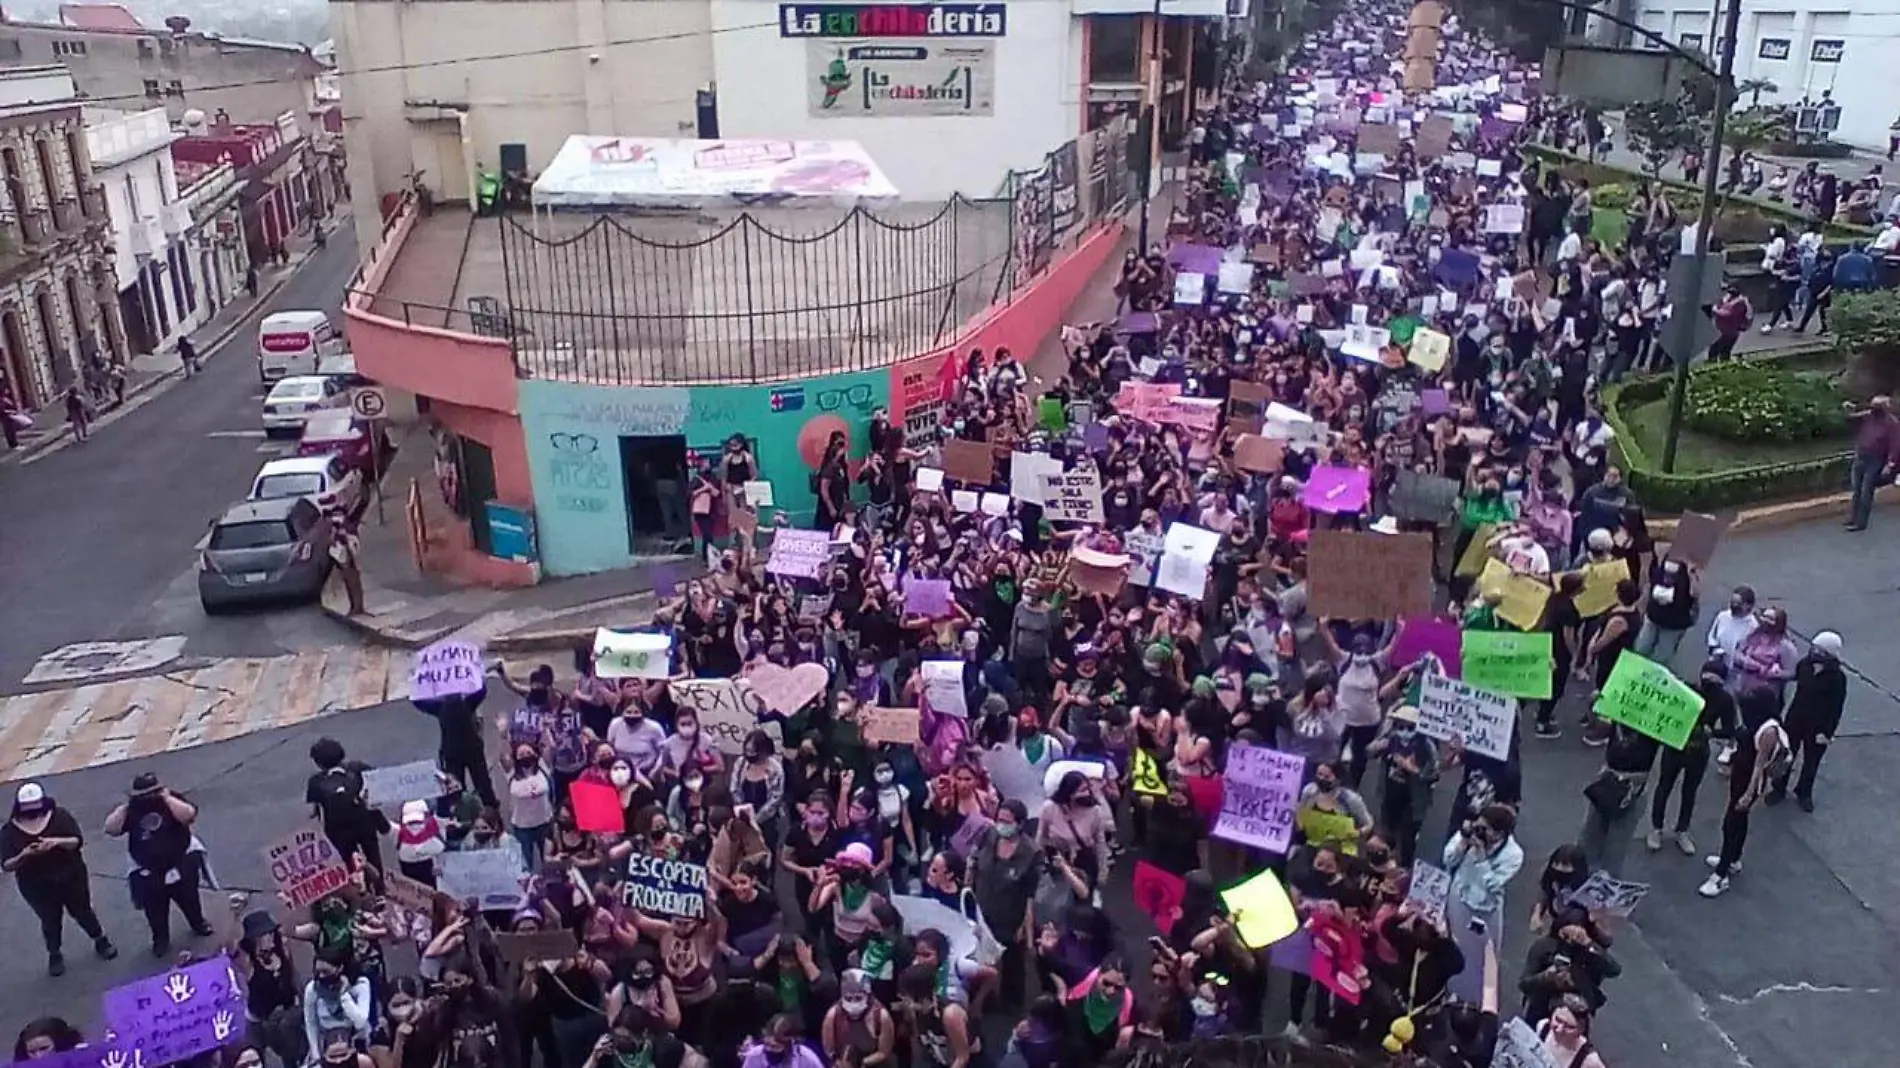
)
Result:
{"points": [[339, 796], [1781, 761]]}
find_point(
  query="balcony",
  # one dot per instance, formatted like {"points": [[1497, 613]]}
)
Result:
{"points": [[67, 217], [92, 200], [36, 226]]}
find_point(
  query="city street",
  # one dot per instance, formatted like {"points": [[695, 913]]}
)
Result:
{"points": [[1791, 962], [97, 540]]}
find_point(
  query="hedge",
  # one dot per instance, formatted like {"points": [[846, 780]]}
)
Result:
{"points": [[1712, 491]]}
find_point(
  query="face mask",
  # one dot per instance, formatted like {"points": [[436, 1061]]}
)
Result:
{"points": [[1006, 830], [689, 731], [1326, 786], [620, 776], [1204, 1008], [642, 980], [604, 763], [525, 763], [855, 1006], [694, 784]]}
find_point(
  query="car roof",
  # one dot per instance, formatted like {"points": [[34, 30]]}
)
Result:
{"points": [[343, 363], [304, 318], [275, 509], [315, 381], [296, 465]]}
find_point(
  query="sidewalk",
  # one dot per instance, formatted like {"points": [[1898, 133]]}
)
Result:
{"points": [[146, 371]]}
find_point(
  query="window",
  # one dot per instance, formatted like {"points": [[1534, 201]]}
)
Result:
{"points": [[175, 88], [69, 48], [132, 198], [1114, 48], [145, 48], [10, 48], [254, 534], [151, 88]]}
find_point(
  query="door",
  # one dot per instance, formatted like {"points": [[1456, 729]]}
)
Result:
{"points": [[654, 471], [451, 170], [477, 479]]}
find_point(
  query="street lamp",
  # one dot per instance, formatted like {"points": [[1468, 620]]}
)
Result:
{"points": [[1151, 123]]}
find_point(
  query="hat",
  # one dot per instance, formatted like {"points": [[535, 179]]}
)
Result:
{"points": [[852, 982], [1600, 540], [29, 795], [1825, 642], [1385, 525], [415, 812], [857, 855], [145, 783], [1405, 714], [258, 923], [1240, 636]]}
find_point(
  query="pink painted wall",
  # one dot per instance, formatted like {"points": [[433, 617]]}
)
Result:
{"points": [[501, 432]]}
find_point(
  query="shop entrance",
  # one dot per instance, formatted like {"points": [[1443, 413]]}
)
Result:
{"points": [[654, 472]]}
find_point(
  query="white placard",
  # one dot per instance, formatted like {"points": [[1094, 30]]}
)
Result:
{"points": [[930, 479], [416, 781], [1430, 886], [1484, 720], [1025, 474], [619, 655], [1190, 288], [1144, 549], [1072, 496], [724, 709], [1235, 277], [996, 504], [496, 878], [963, 500], [1606, 893], [943, 687], [758, 493], [1504, 218], [1490, 168]]}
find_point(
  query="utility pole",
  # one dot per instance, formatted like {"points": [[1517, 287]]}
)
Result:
{"points": [[1682, 332], [1151, 120]]}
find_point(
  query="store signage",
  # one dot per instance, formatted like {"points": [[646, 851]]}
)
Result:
{"points": [[892, 20], [855, 79], [1827, 50], [1773, 48]]}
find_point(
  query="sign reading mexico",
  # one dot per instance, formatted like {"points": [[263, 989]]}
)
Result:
{"points": [[856, 78]]}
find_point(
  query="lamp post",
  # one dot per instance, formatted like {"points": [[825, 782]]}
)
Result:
{"points": [[1684, 331], [1151, 122]]}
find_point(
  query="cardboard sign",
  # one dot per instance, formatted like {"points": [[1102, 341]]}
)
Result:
{"points": [[1262, 455], [531, 946], [1420, 498], [1247, 401], [619, 655], [1434, 137], [892, 726], [1648, 698], [1098, 573], [172, 1017], [411, 894], [1362, 575], [1262, 787], [661, 887], [1697, 536], [723, 708], [1521, 597], [1072, 496], [969, 461], [1380, 138], [799, 553], [304, 867], [445, 669], [1481, 719], [415, 781], [494, 878]]}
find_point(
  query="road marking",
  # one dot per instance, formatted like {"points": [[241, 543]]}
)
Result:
{"points": [[89, 660], [258, 434]]}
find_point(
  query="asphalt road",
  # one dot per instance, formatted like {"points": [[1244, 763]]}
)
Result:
{"points": [[97, 539], [1792, 965]]}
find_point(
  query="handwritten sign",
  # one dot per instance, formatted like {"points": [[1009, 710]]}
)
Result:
{"points": [[787, 690], [1363, 575], [411, 894], [1503, 218], [415, 781], [1430, 349], [662, 887], [943, 687], [721, 706], [1143, 550], [799, 553], [494, 878], [1428, 890], [969, 461], [445, 669], [1648, 698], [929, 598], [304, 866], [1519, 1047], [1482, 720], [175, 1016], [1515, 664], [1026, 470], [893, 726], [1338, 489], [1603, 892], [622, 655], [1262, 788], [1072, 496], [528, 947]]}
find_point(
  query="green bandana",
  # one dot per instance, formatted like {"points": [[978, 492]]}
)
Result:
{"points": [[853, 896], [876, 958], [1033, 747], [1100, 1011]]}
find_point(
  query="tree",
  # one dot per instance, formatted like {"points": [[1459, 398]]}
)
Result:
{"points": [[1660, 132], [1755, 87]]}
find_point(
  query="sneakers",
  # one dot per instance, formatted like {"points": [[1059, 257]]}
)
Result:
{"points": [[105, 949], [1806, 803], [1549, 730], [1685, 843], [1714, 886], [55, 965], [1714, 861], [1596, 741], [1767, 328], [1653, 839]]}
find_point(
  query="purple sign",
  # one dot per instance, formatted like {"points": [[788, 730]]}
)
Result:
{"points": [[1195, 259], [1419, 635], [1294, 953], [799, 553], [666, 581], [182, 1013], [1456, 268], [929, 598], [1434, 402], [1095, 437], [1140, 323], [1338, 490], [1261, 788]]}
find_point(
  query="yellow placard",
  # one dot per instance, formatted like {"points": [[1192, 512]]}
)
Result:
{"points": [[1475, 554], [1147, 775], [1599, 587], [1261, 911], [1522, 597], [1429, 349]]}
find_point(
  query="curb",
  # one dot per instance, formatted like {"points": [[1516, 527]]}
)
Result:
{"points": [[542, 640], [1768, 516]]}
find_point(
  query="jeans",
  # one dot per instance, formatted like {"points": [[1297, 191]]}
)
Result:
{"points": [[1689, 765], [1734, 837], [1863, 478], [1808, 751], [530, 839], [1605, 838], [1658, 643], [1357, 738]]}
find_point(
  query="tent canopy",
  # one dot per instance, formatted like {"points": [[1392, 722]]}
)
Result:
{"points": [[603, 173]]}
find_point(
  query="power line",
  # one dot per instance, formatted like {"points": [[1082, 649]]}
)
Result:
{"points": [[492, 57]]}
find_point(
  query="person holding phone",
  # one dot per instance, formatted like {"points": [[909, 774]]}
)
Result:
{"points": [[1482, 858]]}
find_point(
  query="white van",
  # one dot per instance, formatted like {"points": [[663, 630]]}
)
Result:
{"points": [[292, 343]]}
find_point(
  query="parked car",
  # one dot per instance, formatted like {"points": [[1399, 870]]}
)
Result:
{"points": [[328, 481], [343, 366], [262, 551], [292, 400], [361, 443], [293, 342]]}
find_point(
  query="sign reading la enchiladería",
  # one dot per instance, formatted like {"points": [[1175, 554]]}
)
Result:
{"points": [[892, 20]]}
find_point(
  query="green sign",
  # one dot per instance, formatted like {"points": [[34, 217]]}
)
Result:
{"points": [[1402, 329], [1052, 415], [1649, 699], [1508, 662]]}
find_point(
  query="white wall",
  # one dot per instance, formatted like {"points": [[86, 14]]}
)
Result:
{"points": [[764, 92], [131, 157], [1866, 81]]}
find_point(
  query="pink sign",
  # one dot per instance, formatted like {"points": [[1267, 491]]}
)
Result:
{"points": [[1195, 414], [929, 598], [1261, 788], [1419, 635], [1338, 489], [1143, 400]]}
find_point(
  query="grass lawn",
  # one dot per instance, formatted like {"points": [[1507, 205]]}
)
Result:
{"points": [[1700, 453]]}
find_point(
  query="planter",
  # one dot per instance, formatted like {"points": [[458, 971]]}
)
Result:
{"points": [[1809, 149]]}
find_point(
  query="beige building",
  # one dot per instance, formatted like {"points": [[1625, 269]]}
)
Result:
{"points": [[119, 63], [58, 296]]}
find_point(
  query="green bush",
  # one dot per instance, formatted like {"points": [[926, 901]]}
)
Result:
{"points": [[1865, 319], [1759, 401]]}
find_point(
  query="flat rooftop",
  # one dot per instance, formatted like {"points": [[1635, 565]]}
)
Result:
{"points": [[674, 298]]}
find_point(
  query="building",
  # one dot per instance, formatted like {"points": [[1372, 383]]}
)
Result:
{"points": [[160, 297], [215, 241], [277, 191], [118, 63], [1804, 49], [948, 97], [59, 316]]}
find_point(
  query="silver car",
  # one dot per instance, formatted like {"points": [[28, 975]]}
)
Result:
{"points": [[264, 551]]}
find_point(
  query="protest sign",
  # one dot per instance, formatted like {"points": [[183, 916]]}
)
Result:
{"points": [[1471, 561], [1096, 572], [1430, 349], [1142, 400], [1247, 401], [1296, 428], [1482, 720], [172, 1017], [661, 887], [1428, 890], [1338, 490], [1144, 549], [1603, 892], [723, 709], [1197, 415], [1158, 893], [413, 894], [943, 687], [624, 655], [596, 807], [445, 669], [1363, 575], [1185, 554], [1145, 774], [1072, 496], [1519, 1047], [930, 479], [495, 878], [996, 504], [1422, 498], [1261, 911], [415, 781], [894, 726], [799, 553], [929, 598], [1697, 535], [969, 461], [1420, 636], [531, 946], [1503, 218], [1262, 786], [1258, 454], [787, 690], [1190, 288], [1508, 663], [757, 493], [1025, 474], [1434, 137], [1649, 699], [1380, 138], [1599, 587], [304, 866], [1013, 777], [1234, 277], [812, 608], [1521, 597], [1051, 415]]}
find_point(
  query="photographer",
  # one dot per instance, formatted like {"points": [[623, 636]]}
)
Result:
{"points": [[1573, 959], [1482, 859]]}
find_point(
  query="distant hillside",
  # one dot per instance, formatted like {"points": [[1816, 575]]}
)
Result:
{"points": [[303, 21]]}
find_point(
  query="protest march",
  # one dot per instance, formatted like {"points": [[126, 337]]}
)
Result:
{"points": [[1185, 693]]}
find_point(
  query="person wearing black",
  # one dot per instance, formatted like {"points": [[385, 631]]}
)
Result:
{"points": [[271, 988], [1691, 762], [156, 824], [41, 845], [1814, 714], [1611, 798], [336, 797], [463, 757], [1573, 959], [1564, 625]]}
